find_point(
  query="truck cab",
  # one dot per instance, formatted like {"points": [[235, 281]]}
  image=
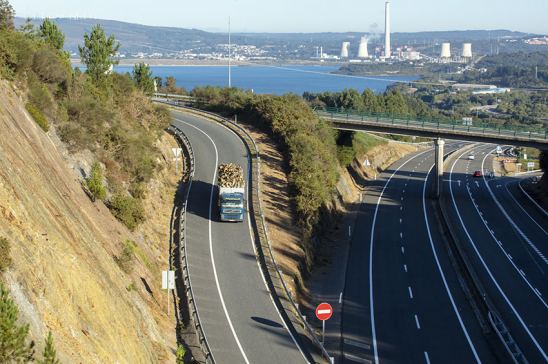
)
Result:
{"points": [[231, 204]]}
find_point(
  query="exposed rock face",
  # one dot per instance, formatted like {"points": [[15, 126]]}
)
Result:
{"points": [[64, 277]]}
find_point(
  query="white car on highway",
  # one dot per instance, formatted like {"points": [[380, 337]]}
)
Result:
{"points": [[471, 157]]}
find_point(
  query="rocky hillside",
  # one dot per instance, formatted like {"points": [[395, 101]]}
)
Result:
{"points": [[66, 274]]}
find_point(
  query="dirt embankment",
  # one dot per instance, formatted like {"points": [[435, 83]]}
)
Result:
{"points": [[295, 256], [64, 276]]}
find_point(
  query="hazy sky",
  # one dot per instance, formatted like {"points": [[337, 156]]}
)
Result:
{"points": [[304, 15]]}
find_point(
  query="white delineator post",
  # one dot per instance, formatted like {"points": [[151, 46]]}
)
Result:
{"points": [[439, 143]]}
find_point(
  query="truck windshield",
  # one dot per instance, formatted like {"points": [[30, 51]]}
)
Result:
{"points": [[231, 200]]}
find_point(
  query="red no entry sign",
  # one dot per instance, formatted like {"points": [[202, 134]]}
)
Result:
{"points": [[324, 311]]}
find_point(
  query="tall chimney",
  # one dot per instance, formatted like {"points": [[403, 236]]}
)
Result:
{"points": [[387, 29]]}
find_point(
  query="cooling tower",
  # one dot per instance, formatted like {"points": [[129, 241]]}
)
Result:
{"points": [[445, 50], [387, 29], [467, 50], [344, 49], [362, 49]]}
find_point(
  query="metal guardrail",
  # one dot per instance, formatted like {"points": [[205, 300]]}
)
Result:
{"points": [[194, 315], [487, 306], [480, 128], [262, 227]]}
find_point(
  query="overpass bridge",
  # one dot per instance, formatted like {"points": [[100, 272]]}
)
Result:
{"points": [[437, 129]]}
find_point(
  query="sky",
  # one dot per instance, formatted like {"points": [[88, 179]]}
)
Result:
{"points": [[304, 15]]}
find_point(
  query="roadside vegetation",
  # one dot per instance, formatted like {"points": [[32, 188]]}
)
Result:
{"points": [[97, 110]]}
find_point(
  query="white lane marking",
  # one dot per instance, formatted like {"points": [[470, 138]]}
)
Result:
{"points": [[402, 250], [442, 274], [405, 268], [410, 292], [417, 322], [514, 225], [401, 220], [401, 199], [349, 231], [357, 359], [211, 242], [401, 235], [357, 344], [426, 357], [372, 306], [525, 327], [523, 209], [533, 200]]}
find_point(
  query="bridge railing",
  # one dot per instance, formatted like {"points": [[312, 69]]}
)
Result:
{"points": [[447, 124]]}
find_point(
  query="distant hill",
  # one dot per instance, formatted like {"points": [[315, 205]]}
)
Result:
{"points": [[136, 38]]}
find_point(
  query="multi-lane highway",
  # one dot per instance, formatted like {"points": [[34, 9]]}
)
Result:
{"points": [[402, 299], [239, 318], [505, 237]]}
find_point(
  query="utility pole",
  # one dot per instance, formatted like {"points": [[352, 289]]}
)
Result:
{"points": [[229, 56]]}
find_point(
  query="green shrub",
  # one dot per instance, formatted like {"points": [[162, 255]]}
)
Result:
{"points": [[5, 254], [40, 97], [126, 259], [95, 182], [37, 116], [49, 67], [180, 354], [127, 209], [345, 155]]}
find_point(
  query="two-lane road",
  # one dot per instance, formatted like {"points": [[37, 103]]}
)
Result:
{"points": [[239, 318]]}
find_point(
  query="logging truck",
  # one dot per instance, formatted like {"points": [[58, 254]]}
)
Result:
{"points": [[230, 178]]}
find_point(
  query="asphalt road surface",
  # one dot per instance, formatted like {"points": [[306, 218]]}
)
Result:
{"points": [[402, 299], [239, 318], [505, 237]]}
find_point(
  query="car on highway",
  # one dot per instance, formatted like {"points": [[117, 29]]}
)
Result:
{"points": [[477, 174], [471, 157]]}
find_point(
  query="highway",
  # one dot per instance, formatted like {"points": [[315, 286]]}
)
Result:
{"points": [[238, 316], [505, 237], [402, 300]]}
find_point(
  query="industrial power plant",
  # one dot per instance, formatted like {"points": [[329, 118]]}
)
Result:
{"points": [[385, 53]]}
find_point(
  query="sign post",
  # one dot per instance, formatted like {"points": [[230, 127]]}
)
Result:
{"points": [[168, 283], [324, 311], [530, 165], [177, 153]]}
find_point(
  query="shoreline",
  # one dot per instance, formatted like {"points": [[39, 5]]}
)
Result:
{"points": [[166, 62]]}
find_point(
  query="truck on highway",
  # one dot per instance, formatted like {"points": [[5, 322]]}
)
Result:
{"points": [[230, 178]]}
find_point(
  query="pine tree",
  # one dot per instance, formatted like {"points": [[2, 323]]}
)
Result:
{"points": [[6, 15], [50, 32], [13, 337], [98, 53], [49, 354]]}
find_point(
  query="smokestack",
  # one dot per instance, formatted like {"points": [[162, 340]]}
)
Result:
{"points": [[387, 29], [344, 49], [362, 49]]}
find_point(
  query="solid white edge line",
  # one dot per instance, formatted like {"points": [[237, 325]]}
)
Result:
{"points": [[426, 357], [211, 241], [514, 225], [525, 327], [371, 306], [442, 274]]}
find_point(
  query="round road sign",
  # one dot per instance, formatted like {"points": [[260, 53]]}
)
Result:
{"points": [[324, 311]]}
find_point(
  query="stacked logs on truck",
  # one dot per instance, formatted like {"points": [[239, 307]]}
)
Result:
{"points": [[230, 175]]}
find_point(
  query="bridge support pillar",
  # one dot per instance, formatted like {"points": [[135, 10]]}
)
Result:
{"points": [[438, 183]]}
